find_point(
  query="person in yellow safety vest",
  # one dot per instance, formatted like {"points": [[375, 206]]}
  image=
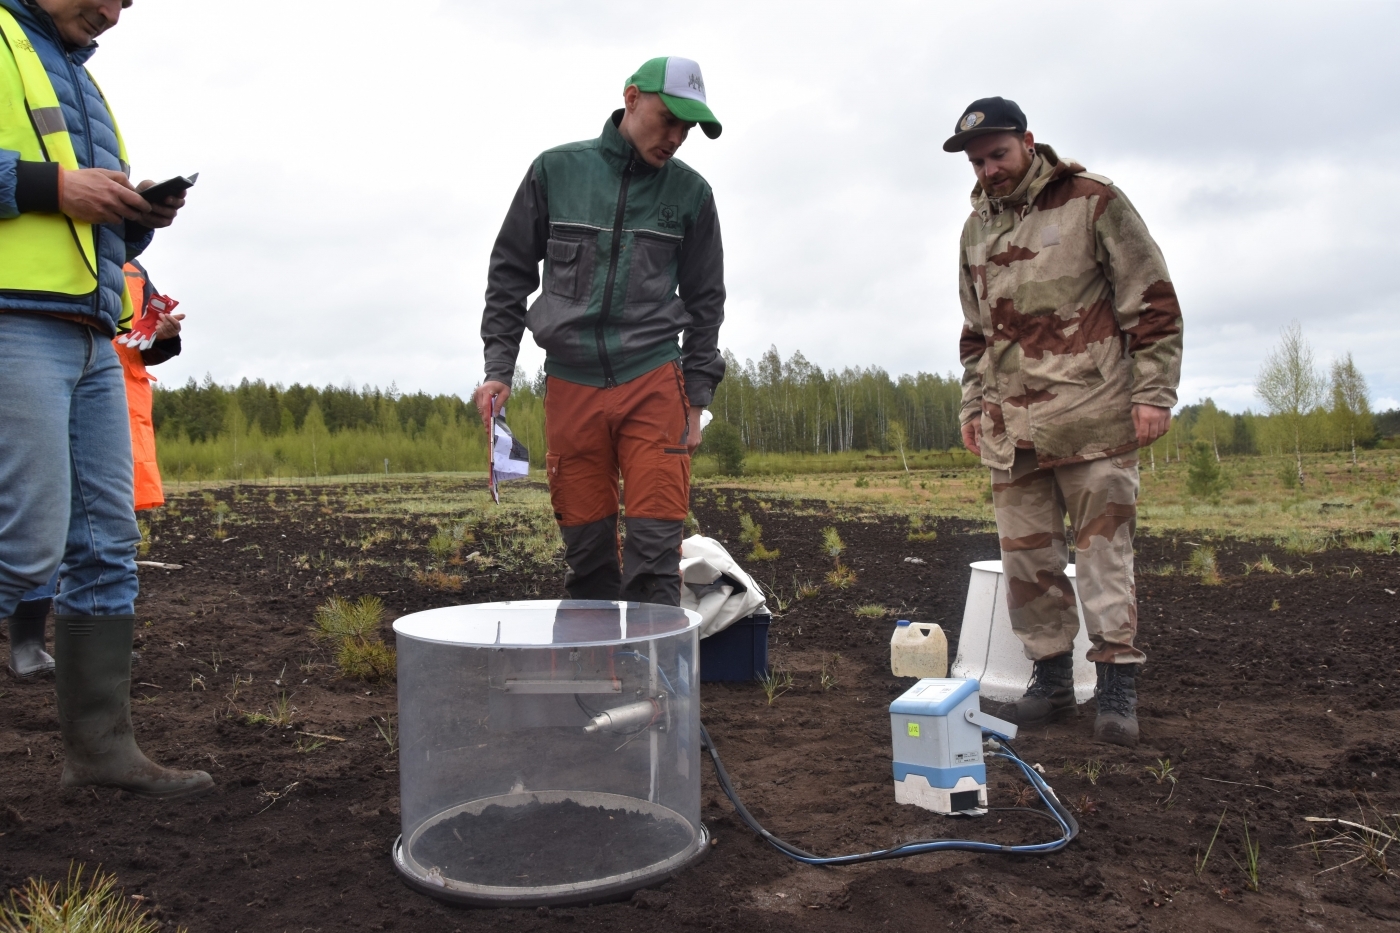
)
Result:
{"points": [[70, 219], [162, 332]]}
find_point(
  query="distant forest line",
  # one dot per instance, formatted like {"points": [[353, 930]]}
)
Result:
{"points": [[778, 406]]}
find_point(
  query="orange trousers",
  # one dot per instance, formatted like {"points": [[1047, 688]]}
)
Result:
{"points": [[635, 432]]}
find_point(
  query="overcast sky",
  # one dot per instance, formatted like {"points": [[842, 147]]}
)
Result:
{"points": [[357, 158]]}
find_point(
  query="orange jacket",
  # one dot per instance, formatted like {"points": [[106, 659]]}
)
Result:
{"points": [[149, 492]]}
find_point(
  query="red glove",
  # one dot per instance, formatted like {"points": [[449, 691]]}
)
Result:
{"points": [[143, 328]]}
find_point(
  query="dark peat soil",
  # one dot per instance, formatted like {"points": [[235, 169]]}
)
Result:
{"points": [[1275, 696]]}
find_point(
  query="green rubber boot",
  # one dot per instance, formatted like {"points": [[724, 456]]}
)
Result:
{"points": [[93, 681], [27, 654]]}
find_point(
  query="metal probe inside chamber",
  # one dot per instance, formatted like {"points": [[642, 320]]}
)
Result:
{"points": [[638, 715]]}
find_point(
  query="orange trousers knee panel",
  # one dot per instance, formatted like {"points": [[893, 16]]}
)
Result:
{"points": [[635, 432]]}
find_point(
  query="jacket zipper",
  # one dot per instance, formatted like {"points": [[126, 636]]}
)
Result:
{"points": [[613, 254]]}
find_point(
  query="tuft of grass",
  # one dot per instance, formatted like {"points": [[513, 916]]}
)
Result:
{"points": [[76, 905], [1378, 542], [257, 719], [775, 683], [438, 580], [442, 545], [1203, 564], [239, 682], [1362, 841], [929, 535], [832, 544], [871, 611], [804, 589], [1265, 564], [1250, 866], [1203, 860], [1164, 772], [829, 667], [385, 727], [1303, 542], [1093, 767], [282, 712]]}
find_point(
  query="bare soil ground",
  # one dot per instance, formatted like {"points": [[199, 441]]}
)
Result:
{"points": [[1275, 697]]}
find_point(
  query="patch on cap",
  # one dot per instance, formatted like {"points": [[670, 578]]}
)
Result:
{"points": [[683, 79], [970, 120]]}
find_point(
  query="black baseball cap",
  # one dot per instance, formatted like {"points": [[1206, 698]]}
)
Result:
{"points": [[981, 117]]}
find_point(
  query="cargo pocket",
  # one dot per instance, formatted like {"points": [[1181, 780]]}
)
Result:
{"points": [[562, 273]]}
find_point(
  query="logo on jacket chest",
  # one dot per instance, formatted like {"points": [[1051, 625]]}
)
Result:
{"points": [[669, 217]]}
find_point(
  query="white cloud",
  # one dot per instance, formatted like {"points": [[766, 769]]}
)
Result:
{"points": [[357, 159]]}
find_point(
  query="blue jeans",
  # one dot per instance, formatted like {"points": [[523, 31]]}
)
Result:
{"points": [[65, 468], [47, 591]]}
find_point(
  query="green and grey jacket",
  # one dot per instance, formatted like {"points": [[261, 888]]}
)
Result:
{"points": [[618, 239], [1069, 318]]}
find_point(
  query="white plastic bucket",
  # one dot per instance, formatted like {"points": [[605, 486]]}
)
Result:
{"points": [[990, 651]]}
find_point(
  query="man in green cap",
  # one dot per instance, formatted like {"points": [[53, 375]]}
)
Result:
{"points": [[629, 320]]}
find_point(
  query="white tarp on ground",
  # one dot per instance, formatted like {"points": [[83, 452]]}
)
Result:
{"points": [[715, 586]]}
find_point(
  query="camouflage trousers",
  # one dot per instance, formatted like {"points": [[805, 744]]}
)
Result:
{"points": [[1099, 497]]}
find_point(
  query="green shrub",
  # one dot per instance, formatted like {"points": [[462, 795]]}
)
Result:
{"points": [[353, 629], [1203, 477], [723, 441], [75, 906]]}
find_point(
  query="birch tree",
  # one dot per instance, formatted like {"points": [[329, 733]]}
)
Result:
{"points": [[1291, 387], [1351, 403]]}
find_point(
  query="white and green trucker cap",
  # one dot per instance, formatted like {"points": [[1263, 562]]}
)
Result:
{"points": [[682, 89]]}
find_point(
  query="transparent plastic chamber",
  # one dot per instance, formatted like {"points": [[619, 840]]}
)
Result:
{"points": [[549, 751]]}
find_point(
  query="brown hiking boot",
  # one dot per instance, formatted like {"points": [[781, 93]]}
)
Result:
{"points": [[1116, 693], [93, 683], [1050, 696]]}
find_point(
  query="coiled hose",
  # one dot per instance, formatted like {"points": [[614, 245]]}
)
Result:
{"points": [[1069, 827]]}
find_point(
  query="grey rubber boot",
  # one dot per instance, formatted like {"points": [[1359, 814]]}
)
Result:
{"points": [[93, 680], [1117, 721], [27, 654], [1050, 696]]}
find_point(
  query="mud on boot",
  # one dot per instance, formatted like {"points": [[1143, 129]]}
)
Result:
{"points": [[93, 683], [1116, 693], [26, 629], [1050, 696]]}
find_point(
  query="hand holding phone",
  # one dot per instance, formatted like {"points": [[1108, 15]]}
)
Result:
{"points": [[171, 187]]}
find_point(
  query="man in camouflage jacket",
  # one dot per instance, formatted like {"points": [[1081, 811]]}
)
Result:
{"points": [[1071, 348]]}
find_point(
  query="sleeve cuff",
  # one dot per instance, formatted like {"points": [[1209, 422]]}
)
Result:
{"points": [[700, 396], [36, 187]]}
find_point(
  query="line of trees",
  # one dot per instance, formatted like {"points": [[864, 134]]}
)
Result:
{"points": [[1306, 409], [793, 406], [772, 406], [256, 430]]}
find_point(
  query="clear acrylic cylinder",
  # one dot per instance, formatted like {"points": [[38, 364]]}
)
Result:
{"points": [[549, 751]]}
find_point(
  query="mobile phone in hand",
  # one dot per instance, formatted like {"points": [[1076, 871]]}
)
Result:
{"points": [[171, 187]]}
